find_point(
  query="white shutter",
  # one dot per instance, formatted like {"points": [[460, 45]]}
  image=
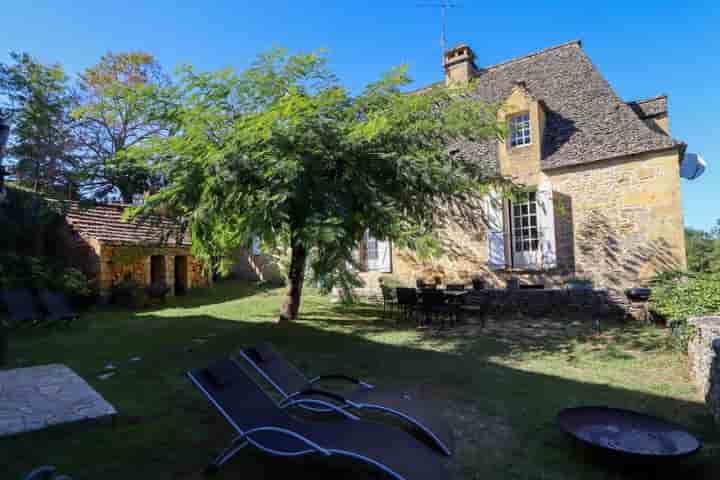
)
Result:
{"points": [[546, 222], [496, 233], [371, 257], [384, 261]]}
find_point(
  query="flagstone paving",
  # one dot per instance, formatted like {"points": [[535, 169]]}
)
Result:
{"points": [[37, 397]]}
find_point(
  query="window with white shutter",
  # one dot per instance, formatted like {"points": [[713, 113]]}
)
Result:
{"points": [[494, 212], [525, 237], [546, 221], [378, 254]]}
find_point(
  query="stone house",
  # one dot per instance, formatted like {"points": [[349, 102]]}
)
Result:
{"points": [[601, 175], [109, 249]]}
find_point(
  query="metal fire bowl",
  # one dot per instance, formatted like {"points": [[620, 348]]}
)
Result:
{"points": [[628, 432]]}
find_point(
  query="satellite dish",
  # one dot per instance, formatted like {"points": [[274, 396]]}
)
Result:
{"points": [[692, 166]]}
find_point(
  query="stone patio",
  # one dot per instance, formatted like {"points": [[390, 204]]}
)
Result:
{"points": [[38, 397]]}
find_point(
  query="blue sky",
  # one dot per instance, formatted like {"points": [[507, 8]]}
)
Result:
{"points": [[644, 48]]}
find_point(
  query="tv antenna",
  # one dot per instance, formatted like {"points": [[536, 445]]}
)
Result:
{"points": [[443, 5]]}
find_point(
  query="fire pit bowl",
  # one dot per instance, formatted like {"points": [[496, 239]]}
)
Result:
{"points": [[630, 433]]}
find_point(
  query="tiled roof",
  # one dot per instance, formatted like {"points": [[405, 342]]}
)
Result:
{"points": [[105, 224], [649, 107], [585, 120]]}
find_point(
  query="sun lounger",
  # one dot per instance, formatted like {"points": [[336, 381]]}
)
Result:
{"points": [[292, 384], [260, 422], [21, 307], [56, 306]]}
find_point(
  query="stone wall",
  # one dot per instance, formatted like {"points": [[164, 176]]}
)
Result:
{"points": [[555, 303], [617, 223], [704, 360], [622, 219], [256, 268], [114, 271], [552, 303]]}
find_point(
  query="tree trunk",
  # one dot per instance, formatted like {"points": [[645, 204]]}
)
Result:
{"points": [[296, 277]]}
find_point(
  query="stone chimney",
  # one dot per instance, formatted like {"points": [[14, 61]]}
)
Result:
{"points": [[459, 64]]}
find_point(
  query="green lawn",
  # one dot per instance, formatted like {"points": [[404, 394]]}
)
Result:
{"points": [[500, 387]]}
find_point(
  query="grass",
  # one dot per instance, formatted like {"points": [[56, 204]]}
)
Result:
{"points": [[500, 387]]}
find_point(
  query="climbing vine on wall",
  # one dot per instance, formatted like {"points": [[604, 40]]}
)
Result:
{"points": [[130, 254]]}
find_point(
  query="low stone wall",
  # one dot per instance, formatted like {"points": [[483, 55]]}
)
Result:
{"points": [[552, 302], [540, 303], [704, 359]]}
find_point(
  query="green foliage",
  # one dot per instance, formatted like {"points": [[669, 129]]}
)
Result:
{"points": [[126, 292], [19, 271], [124, 101], [42, 142], [676, 297], [75, 284], [703, 250], [130, 254], [283, 153]]}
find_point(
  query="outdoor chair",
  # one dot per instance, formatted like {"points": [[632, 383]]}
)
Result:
{"points": [[56, 307], [293, 385], [390, 302], [407, 301], [475, 306], [435, 304], [21, 307], [263, 424]]}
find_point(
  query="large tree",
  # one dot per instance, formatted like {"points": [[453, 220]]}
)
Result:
{"points": [[123, 103], [282, 152], [42, 142]]}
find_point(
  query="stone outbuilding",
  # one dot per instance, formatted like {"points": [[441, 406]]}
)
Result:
{"points": [[109, 249]]}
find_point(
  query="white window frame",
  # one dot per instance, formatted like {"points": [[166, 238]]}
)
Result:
{"points": [[525, 231], [515, 240], [520, 130], [371, 248]]}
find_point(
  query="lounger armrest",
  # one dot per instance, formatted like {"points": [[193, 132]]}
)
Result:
{"points": [[340, 377], [317, 405], [320, 393]]}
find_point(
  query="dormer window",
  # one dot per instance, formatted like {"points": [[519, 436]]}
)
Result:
{"points": [[520, 130]]}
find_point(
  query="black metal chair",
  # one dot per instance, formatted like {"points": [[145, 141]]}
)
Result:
{"points": [[474, 305], [261, 423], [435, 304], [390, 301], [407, 301]]}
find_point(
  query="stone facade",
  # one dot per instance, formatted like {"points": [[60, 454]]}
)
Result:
{"points": [[704, 360], [612, 169], [109, 248], [592, 304], [113, 271]]}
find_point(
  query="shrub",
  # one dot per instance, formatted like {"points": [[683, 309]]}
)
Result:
{"points": [[75, 284], [126, 292], [677, 297]]}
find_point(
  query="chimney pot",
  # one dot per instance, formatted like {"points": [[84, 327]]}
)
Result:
{"points": [[459, 65]]}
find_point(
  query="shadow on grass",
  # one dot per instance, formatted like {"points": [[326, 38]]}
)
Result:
{"points": [[503, 417]]}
